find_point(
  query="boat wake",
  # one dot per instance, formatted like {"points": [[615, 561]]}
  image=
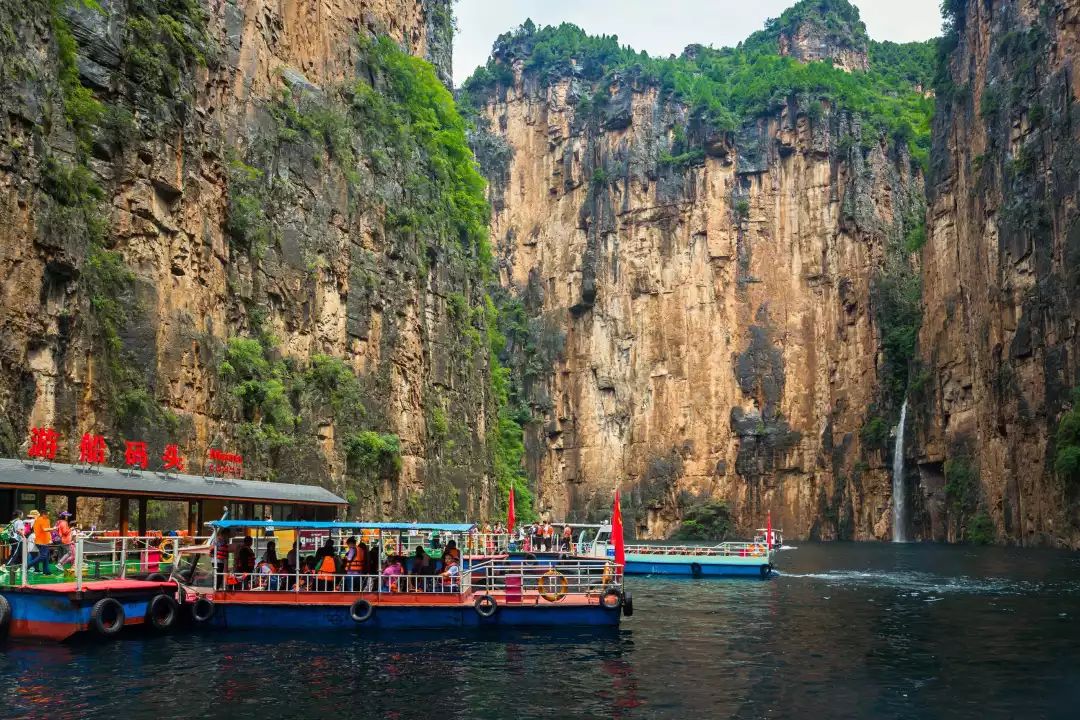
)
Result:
{"points": [[919, 583]]}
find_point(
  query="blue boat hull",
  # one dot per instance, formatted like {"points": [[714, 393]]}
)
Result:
{"points": [[386, 617], [43, 615], [680, 567]]}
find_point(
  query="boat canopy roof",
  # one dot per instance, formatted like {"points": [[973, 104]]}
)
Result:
{"points": [[320, 525]]}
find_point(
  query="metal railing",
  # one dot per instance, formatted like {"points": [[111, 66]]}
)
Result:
{"points": [[95, 557], [556, 578], [307, 582]]}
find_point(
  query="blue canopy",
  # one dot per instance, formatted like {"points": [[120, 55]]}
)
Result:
{"points": [[320, 525]]}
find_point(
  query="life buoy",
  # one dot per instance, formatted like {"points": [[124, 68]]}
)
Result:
{"points": [[107, 617], [166, 555], [553, 586], [612, 598], [361, 611], [609, 574], [5, 613], [758, 550], [161, 612], [390, 547], [627, 604], [485, 606], [695, 569], [202, 610]]}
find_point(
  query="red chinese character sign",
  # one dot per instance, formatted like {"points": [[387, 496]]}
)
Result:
{"points": [[172, 459], [43, 443], [135, 454], [92, 449], [224, 464]]}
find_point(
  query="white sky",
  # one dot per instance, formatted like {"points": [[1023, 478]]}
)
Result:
{"points": [[663, 27]]}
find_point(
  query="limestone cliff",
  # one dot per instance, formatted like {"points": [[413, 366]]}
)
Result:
{"points": [[999, 341], [699, 300], [207, 236]]}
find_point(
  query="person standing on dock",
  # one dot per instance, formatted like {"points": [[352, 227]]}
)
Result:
{"points": [[17, 532], [67, 540], [42, 539]]}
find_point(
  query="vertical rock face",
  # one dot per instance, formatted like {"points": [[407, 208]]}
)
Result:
{"points": [[705, 325], [220, 191], [999, 338]]}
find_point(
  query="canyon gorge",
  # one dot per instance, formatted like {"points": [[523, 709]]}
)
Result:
{"points": [[706, 279]]}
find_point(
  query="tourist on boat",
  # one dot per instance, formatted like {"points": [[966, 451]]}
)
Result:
{"points": [[451, 552], [326, 549], [245, 557], [270, 556], [355, 561], [307, 574], [221, 557], [421, 564], [451, 573], [567, 538], [392, 572], [42, 539]]}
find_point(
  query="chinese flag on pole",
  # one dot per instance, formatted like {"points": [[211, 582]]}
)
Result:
{"points": [[510, 512], [617, 533]]}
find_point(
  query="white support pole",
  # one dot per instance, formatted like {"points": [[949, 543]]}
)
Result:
{"points": [[25, 547], [78, 563], [123, 558]]}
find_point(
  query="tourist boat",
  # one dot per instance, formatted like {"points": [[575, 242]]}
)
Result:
{"points": [[113, 584], [494, 591], [751, 559]]}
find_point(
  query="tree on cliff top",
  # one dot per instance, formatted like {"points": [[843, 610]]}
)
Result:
{"points": [[727, 87]]}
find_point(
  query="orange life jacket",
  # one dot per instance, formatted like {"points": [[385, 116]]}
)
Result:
{"points": [[327, 567], [356, 565]]}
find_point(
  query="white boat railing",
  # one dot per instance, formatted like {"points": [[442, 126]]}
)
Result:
{"points": [[306, 582], [555, 578]]}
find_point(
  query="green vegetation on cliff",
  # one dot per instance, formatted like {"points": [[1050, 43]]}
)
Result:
{"points": [[726, 87], [1067, 440]]}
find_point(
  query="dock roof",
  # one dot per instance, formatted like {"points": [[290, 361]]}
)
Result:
{"points": [[62, 478], [358, 525]]}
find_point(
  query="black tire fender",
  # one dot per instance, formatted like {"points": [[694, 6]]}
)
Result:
{"points": [[485, 606], [156, 577], [202, 610], [5, 612], [766, 570], [361, 611], [161, 612], [612, 598], [628, 604], [695, 569], [107, 617]]}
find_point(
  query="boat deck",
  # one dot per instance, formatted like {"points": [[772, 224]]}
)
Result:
{"points": [[98, 586]]}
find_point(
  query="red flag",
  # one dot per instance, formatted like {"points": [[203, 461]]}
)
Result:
{"points": [[768, 530], [617, 534], [510, 512]]}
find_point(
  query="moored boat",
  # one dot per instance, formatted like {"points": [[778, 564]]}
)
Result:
{"points": [[365, 595], [110, 587], [748, 559]]}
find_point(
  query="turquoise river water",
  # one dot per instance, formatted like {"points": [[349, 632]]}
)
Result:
{"points": [[844, 631]]}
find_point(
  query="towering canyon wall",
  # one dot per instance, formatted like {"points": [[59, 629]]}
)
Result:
{"points": [[209, 235], [999, 341], [701, 327]]}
